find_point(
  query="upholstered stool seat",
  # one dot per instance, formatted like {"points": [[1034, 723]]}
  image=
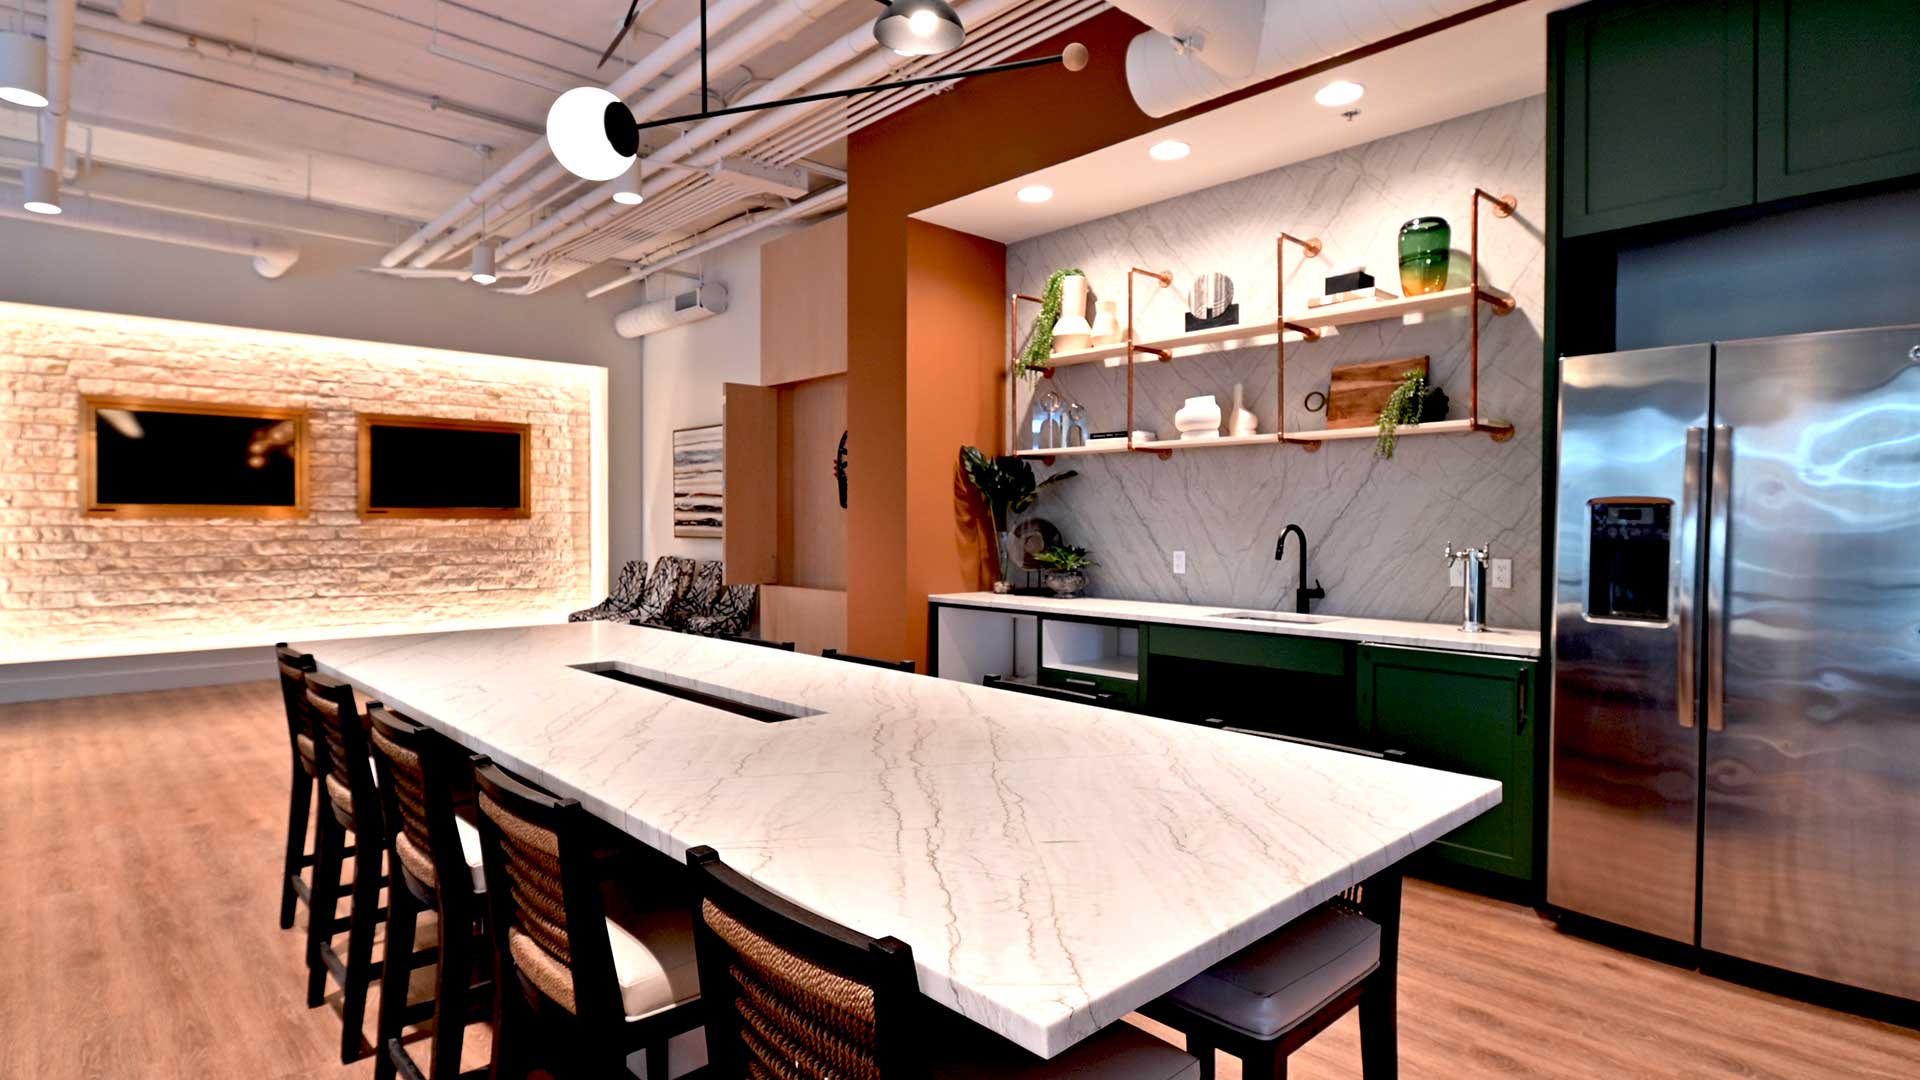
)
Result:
{"points": [[652, 961], [1272, 986]]}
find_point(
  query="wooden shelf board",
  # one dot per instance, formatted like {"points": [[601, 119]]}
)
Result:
{"points": [[1104, 446], [1438, 427], [1204, 444]]}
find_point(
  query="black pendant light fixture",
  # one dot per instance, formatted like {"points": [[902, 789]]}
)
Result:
{"points": [[595, 136]]}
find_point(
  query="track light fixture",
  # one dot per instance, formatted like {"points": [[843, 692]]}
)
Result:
{"points": [[482, 272], [42, 194], [23, 70], [626, 187], [596, 137]]}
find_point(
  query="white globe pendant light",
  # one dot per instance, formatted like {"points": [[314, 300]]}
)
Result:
{"points": [[920, 28], [578, 134], [23, 70], [42, 190]]}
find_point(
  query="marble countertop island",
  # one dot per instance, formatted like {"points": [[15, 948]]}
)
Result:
{"points": [[1492, 641], [1053, 865]]}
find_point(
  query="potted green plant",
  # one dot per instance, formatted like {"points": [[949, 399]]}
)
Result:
{"points": [[1039, 350], [1066, 570], [1007, 486], [1412, 402]]}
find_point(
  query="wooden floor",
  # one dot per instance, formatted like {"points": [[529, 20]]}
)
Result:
{"points": [[140, 835]]}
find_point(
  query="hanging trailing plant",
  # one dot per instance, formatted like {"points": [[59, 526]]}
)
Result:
{"points": [[1403, 406], [1039, 348]]}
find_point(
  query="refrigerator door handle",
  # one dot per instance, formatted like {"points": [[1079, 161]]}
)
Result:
{"points": [[1718, 572], [1683, 586]]}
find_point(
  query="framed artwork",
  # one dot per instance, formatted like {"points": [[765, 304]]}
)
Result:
{"points": [[699, 490], [143, 458], [423, 467]]}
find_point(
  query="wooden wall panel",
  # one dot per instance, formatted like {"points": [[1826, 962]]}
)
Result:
{"points": [[813, 527], [803, 304], [813, 619], [750, 464]]}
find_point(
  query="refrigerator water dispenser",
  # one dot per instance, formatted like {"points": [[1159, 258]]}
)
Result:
{"points": [[1629, 555]]}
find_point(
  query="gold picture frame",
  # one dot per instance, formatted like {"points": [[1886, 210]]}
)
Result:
{"points": [[90, 407], [364, 458]]}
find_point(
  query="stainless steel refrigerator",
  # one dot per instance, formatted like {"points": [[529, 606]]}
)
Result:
{"points": [[1736, 628]]}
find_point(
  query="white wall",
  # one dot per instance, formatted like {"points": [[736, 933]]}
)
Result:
{"points": [[683, 370], [328, 292]]}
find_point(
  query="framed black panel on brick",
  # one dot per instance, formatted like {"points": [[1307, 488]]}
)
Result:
{"points": [[423, 467], [142, 457]]}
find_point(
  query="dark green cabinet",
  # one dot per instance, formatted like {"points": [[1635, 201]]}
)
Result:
{"points": [[1469, 714], [1658, 118], [1839, 94]]}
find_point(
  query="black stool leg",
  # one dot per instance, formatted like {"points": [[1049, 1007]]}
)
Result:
{"points": [[1379, 1002], [366, 901], [323, 899], [452, 989], [657, 1061], [1265, 1065], [296, 839], [1200, 1048], [506, 1024], [403, 917]]}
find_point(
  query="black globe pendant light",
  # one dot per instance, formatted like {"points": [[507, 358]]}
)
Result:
{"points": [[919, 27]]}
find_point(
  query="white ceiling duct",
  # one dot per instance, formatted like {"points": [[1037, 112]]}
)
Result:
{"points": [[703, 302], [1199, 51], [272, 255]]}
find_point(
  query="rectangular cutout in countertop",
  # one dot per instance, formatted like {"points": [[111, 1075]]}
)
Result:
{"points": [[740, 703]]}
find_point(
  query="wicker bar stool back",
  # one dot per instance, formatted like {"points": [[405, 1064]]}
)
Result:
{"points": [[294, 667], [434, 856]]}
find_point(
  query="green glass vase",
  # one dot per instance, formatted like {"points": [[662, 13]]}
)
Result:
{"points": [[1425, 244]]}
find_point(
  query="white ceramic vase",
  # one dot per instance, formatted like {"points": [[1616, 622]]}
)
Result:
{"points": [[1106, 323], [1244, 422], [1072, 331], [1199, 418]]}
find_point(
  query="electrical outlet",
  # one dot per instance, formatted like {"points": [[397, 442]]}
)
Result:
{"points": [[1501, 573], [1456, 573], [1179, 562]]}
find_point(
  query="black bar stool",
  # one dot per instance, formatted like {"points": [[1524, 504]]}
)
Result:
{"points": [[295, 666]]}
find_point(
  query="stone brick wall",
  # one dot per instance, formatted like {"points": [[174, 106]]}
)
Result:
{"points": [[73, 586]]}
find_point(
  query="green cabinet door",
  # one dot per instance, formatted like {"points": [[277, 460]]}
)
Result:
{"points": [[1839, 94], [1468, 714], [1657, 111]]}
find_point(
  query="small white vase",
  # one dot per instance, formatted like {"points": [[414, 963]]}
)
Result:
{"points": [[1106, 323], [1072, 332], [1244, 422], [1199, 418]]}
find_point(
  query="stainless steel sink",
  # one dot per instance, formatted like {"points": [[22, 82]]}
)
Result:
{"points": [[1275, 616]]}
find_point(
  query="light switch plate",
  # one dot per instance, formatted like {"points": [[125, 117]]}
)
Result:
{"points": [[1456, 574], [1502, 573], [1179, 562]]}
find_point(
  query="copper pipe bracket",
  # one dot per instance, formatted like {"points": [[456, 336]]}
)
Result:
{"points": [[1311, 446], [1164, 354], [1307, 333], [1503, 205], [1501, 305], [1164, 277], [1496, 432], [1311, 245]]}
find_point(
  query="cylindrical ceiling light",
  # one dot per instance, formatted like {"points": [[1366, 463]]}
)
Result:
{"points": [[592, 133], [42, 189], [23, 70], [626, 187], [920, 28], [482, 271]]}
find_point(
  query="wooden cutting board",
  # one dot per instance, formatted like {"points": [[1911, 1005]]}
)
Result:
{"points": [[1359, 391]]}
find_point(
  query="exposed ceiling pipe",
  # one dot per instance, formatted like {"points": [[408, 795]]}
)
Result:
{"points": [[658, 60], [53, 119], [581, 218], [1169, 69], [272, 255], [816, 204]]}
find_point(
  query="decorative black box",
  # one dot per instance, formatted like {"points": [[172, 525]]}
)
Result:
{"points": [[1225, 318], [1357, 279]]}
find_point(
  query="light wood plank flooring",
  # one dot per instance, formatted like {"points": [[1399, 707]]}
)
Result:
{"points": [[140, 835]]}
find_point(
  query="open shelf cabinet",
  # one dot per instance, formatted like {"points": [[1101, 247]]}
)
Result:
{"points": [[1289, 329]]}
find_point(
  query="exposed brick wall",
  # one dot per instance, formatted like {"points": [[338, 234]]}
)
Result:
{"points": [[71, 585]]}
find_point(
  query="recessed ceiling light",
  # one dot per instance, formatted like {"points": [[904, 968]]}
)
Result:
{"points": [[1169, 150], [1035, 193], [1339, 92]]}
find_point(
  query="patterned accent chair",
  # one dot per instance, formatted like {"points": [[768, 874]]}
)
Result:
{"points": [[624, 603], [730, 615], [697, 599], [672, 577]]}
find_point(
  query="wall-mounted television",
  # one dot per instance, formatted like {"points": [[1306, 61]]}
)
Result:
{"points": [[148, 458], [423, 467]]}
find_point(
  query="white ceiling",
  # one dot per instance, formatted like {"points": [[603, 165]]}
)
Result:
{"points": [[1494, 59]]}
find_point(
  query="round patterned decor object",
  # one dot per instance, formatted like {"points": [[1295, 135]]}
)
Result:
{"points": [[1030, 538], [1211, 296]]}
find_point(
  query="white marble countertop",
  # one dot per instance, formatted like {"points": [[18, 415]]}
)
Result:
{"points": [[1492, 641], [1053, 865]]}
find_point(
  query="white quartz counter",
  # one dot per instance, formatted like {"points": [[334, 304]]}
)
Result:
{"points": [[1495, 642], [1053, 865]]}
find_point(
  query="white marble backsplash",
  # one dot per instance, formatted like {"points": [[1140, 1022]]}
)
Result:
{"points": [[1375, 528]]}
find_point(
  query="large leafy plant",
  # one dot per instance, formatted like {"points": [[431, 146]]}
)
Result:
{"points": [[1039, 348], [1006, 484]]}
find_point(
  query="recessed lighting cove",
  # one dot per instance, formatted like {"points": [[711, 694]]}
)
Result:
{"points": [[1169, 150], [1035, 193], [1339, 92]]}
